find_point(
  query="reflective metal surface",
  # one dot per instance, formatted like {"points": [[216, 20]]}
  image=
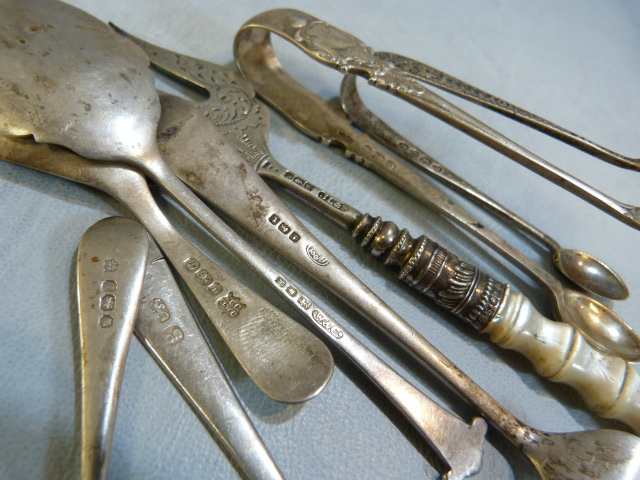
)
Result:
{"points": [[285, 360], [340, 50], [111, 262], [585, 270], [529, 53], [171, 335], [126, 131], [458, 87], [315, 117], [616, 459]]}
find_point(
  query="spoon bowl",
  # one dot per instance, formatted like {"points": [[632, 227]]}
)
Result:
{"points": [[583, 269], [590, 273], [66, 78], [601, 326]]}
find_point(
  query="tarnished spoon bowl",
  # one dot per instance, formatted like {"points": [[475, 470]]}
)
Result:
{"points": [[602, 327], [591, 274]]}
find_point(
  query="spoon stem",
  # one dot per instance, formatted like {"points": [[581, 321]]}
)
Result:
{"points": [[285, 360], [111, 262], [171, 334]]}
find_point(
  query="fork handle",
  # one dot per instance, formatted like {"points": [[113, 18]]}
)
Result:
{"points": [[609, 386]]}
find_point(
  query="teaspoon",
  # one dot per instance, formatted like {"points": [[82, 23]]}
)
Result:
{"points": [[169, 331], [112, 258]]}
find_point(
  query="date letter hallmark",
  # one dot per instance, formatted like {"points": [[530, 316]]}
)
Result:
{"points": [[106, 321], [327, 324], [284, 228], [231, 305], [173, 335]]}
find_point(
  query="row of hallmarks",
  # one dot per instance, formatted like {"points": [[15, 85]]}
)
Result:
{"points": [[108, 298], [317, 315], [228, 304]]}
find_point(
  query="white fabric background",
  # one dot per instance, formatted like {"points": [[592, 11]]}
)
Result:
{"points": [[577, 63]]}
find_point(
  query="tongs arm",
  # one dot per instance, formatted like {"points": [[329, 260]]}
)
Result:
{"points": [[444, 81], [348, 54]]}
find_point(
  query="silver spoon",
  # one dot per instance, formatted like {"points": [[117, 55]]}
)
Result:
{"points": [[556, 456], [605, 382], [291, 364], [458, 444], [585, 270], [66, 78], [315, 116], [112, 258], [170, 333]]}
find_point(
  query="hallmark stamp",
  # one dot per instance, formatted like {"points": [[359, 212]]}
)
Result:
{"points": [[191, 264], [173, 335], [107, 302], [304, 303], [160, 310], [332, 201], [298, 181], [327, 324], [215, 288], [284, 228], [231, 305], [110, 265], [109, 286], [106, 321], [316, 257], [204, 277]]}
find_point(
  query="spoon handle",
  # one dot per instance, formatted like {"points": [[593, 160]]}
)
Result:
{"points": [[111, 263], [285, 360], [609, 386], [171, 335]]}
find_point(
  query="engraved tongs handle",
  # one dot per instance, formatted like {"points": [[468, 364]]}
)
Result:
{"points": [[400, 84], [444, 81], [343, 51]]}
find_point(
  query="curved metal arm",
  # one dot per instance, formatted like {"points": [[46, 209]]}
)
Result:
{"points": [[440, 79], [348, 54]]}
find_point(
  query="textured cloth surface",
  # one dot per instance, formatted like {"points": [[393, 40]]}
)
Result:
{"points": [[577, 64]]}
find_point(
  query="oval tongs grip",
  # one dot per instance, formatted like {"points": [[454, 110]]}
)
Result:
{"points": [[609, 385]]}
